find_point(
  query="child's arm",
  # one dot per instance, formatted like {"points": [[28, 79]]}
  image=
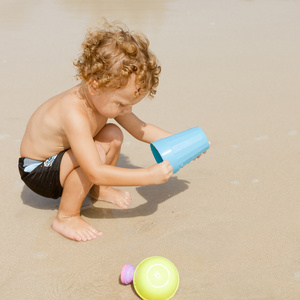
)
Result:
{"points": [[78, 131], [142, 131]]}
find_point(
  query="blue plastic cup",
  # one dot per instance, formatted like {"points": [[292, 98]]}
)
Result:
{"points": [[180, 148]]}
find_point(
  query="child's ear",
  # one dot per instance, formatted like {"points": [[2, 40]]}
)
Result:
{"points": [[92, 86]]}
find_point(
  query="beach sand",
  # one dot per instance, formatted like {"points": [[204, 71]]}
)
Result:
{"points": [[229, 221]]}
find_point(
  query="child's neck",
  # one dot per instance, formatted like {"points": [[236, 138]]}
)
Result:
{"points": [[85, 95]]}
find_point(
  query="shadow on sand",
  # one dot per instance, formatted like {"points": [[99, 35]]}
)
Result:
{"points": [[153, 194]]}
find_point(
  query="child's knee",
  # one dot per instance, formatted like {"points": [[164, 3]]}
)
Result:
{"points": [[115, 135], [115, 132], [110, 138], [110, 134]]}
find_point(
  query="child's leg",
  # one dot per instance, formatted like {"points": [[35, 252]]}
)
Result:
{"points": [[75, 188], [110, 140]]}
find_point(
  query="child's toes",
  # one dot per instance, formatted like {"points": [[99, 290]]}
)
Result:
{"points": [[77, 238], [123, 205]]}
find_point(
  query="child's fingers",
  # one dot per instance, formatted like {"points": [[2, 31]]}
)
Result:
{"points": [[168, 166]]}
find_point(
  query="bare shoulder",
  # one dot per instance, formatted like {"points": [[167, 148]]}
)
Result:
{"points": [[70, 105], [53, 113], [57, 103]]}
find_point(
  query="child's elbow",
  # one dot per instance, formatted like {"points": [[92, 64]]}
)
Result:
{"points": [[94, 179], [92, 176], [97, 175]]}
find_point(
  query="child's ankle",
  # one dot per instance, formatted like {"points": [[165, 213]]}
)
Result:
{"points": [[61, 216]]}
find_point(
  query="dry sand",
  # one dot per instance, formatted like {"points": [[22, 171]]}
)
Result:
{"points": [[230, 221]]}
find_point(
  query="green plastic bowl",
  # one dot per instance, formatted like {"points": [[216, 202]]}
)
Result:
{"points": [[156, 278]]}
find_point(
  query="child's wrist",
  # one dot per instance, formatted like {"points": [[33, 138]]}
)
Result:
{"points": [[148, 176]]}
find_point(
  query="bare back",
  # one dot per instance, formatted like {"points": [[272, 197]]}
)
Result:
{"points": [[45, 135]]}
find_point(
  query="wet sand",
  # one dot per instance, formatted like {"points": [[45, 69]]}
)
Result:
{"points": [[229, 221]]}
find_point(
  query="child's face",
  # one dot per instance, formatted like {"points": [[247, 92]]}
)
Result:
{"points": [[111, 103]]}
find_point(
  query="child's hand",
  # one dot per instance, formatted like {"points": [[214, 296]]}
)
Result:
{"points": [[160, 173], [201, 153]]}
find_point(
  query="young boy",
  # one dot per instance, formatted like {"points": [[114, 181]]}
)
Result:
{"points": [[69, 150]]}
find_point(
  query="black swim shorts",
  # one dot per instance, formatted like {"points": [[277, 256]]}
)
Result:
{"points": [[44, 178]]}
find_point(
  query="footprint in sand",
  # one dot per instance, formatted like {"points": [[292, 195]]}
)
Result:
{"points": [[145, 226]]}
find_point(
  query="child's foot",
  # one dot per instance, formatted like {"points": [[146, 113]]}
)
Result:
{"points": [[111, 195], [75, 228]]}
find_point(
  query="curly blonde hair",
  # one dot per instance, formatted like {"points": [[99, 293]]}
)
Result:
{"points": [[112, 53]]}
